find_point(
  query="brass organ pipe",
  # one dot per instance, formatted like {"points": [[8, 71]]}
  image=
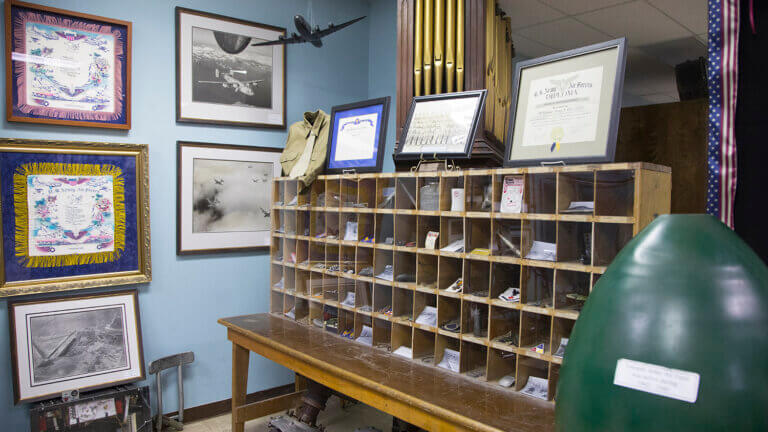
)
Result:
{"points": [[428, 31], [460, 45], [439, 45], [450, 45], [418, 45]]}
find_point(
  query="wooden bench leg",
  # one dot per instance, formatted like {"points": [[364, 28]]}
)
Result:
{"points": [[239, 383]]}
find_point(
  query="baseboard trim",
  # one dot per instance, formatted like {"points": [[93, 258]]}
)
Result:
{"points": [[213, 409]]}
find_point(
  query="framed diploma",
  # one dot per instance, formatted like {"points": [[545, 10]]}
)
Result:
{"points": [[358, 136], [566, 106], [74, 215], [441, 126], [66, 68]]}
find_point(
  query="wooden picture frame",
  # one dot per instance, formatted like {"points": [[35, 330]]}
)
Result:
{"points": [[472, 103], [34, 37], [599, 67], [379, 109], [45, 332], [242, 100], [74, 215], [212, 214]]}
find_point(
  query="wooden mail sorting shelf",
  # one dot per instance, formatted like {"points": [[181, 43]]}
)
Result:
{"points": [[352, 254]]}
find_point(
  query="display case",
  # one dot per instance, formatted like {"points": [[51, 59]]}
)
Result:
{"points": [[391, 288]]}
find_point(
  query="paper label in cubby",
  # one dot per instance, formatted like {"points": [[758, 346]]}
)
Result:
{"points": [[512, 195], [429, 243], [450, 360]]}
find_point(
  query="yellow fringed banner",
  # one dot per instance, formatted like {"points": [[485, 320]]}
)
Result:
{"points": [[64, 169]]}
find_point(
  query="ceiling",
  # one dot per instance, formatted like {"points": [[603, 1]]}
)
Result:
{"points": [[660, 34]]}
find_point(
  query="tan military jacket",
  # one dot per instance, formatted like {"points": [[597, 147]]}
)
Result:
{"points": [[298, 160]]}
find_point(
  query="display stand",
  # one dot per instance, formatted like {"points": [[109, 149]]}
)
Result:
{"points": [[395, 276]]}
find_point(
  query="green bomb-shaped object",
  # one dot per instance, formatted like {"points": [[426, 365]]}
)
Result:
{"points": [[674, 336]]}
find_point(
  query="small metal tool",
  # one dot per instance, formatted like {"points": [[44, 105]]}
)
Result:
{"points": [[156, 367]]}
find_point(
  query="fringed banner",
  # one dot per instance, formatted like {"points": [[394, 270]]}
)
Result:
{"points": [[722, 77], [20, 68], [22, 211]]}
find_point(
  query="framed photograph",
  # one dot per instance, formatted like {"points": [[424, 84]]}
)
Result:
{"points": [[566, 106], [74, 215], [441, 126], [221, 78], [223, 197], [358, 136], [74, 343], [66, 68]]}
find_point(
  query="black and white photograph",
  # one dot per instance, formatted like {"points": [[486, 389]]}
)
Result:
{"points": [[77, 343], [222, 74], [66, 343], [222, 78], [231, 195], [224, 194]]}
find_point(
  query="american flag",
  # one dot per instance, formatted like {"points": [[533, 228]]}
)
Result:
{"points": [[722, 75]]}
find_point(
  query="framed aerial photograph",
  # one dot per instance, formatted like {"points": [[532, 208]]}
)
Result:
{"points": [[441, 126], [223, 197], [221, 78], [66, 68], [565, 106], [74, 215], [67, 343], [358, 136]]}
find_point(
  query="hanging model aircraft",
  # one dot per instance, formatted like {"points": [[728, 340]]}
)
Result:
{"points": [[307, 33]]}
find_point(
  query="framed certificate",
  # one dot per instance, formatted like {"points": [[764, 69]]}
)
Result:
{"points": [[441, 126], [358, 136], [566, 106]]}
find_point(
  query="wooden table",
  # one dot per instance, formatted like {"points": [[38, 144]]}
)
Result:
{"points": [[425, 396]]}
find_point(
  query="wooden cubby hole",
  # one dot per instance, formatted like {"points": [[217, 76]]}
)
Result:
{"points": [[423, 346], [422, 300], [366, 192], [570, 282], [441, 343], [345, 220], [535, 329], [402, 335], [448, 309], [382, 297], [385, 187], [478, 194], [574, 242], [332, 193], [450, 181], [425, 225], [405, 193], [469, 312], [349, 189], [385, 228], [537, 230], [476, 280], [474, 360], [615, 191], [504, 322], [426, 271], [402, 304], [449, 269], [405, 267], [404, 232], [428, 193], [574, 186], [503, 276], [537, 286], [363, 295], [478, 232], [451, 229], [609, 239], [539, 193], [382, 334]]}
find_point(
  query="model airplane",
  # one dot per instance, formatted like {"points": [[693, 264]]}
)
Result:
{"points": [[229, 81], [307, 33]]}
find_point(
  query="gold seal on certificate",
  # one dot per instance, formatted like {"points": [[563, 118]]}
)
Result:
{"points": [[567, 106]]}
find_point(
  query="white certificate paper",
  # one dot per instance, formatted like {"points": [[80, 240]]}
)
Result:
{"points": [[356, 137], [563, 108]]}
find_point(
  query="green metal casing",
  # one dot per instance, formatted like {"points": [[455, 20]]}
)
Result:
{"points": [[687, 293]]}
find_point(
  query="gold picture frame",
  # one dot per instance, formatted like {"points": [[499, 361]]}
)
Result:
{"points": [[75, 253]]}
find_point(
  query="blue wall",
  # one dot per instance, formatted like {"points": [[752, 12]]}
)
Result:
{"points": [[179, 308]]}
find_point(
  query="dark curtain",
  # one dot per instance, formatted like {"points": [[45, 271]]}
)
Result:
{"points": [[751, 206]]}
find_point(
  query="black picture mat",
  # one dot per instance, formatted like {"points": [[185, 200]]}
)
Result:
{"points": [[436, 156], [385, 102], [613, 127]]}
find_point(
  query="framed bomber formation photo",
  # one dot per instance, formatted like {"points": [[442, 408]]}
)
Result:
{"points": [[358, 136], [565, 106], [66, 68], [223, 197], [74, 215], [441, 126], [67, 343], [221, 78]]}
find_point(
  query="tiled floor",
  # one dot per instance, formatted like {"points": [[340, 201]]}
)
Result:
{"points": [[334, 418]]}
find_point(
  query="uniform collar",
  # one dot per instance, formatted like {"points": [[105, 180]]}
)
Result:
{"points": [[314, 121]]}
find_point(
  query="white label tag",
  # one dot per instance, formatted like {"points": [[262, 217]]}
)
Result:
{"points": [[659, 380]]}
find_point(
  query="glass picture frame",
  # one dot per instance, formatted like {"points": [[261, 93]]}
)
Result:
{"points": [[80, 343], [441, 126], [67, 68], [565, 106], [358, 136], [221, 78], [223, 195], [75, 215]]}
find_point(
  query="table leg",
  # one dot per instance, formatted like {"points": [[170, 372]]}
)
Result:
{"points": [[239, 383]]}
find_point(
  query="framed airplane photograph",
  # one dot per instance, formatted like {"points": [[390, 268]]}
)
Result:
{"points": [[66, 68], [358, 136], [74, 343], [74, 215], [223, 197], [221, 78]]}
